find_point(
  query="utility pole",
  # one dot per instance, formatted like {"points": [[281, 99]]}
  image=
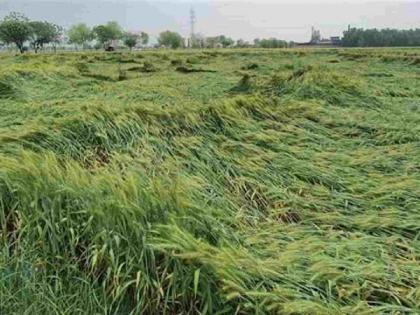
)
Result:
{"points": [[192, 21]]}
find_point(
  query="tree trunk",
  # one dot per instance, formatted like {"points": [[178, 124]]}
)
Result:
{"points": [[20, 47]]}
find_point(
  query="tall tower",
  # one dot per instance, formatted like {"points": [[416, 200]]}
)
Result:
{"points": [[192, 24], [316, 36]]}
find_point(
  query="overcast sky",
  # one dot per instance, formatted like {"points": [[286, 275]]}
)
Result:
{"points": [[288, 19]]}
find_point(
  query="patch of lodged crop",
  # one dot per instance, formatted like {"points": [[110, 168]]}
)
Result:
{"points": [[6, 88], [324, 84], [291, 190]]}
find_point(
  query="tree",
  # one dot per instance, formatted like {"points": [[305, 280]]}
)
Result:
{"points": [[15, 29], [218, 41], [107, 33], [43, 33], [358, 37], [270, 43], [144, 38], [130, 40], [240, 43], [170, 39], [80, 34], [211, 42], [226, 41]]}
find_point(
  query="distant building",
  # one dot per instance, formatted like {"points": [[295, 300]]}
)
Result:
{"points": [[335, 40], [317, 40], [315, 37]]}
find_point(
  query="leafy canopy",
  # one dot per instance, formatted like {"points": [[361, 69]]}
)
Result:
{"points": [[170, 39], [43, 33], [225, 41], [358, 37], [270, 43], [80, 34], [215, 41], [144, 38], [15, 29], [108, 32], [130, 40]]}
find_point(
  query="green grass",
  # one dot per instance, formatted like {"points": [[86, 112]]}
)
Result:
{"points": [[251, 182]]}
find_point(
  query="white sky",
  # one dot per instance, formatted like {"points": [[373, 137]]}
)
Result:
{"points": [[285, 19]]}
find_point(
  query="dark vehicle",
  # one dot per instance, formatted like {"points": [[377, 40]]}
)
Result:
{"points": [[110, 48]]}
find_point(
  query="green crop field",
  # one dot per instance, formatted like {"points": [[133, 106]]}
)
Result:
{"points": [[210, 182]]}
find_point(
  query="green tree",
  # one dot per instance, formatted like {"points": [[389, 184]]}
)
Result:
{"points": [[170, 39], [107, 33], [130, 40], [226, 41], [211, 42], [240, 43], [15, 29], [43, 33], [358, 37], [144, 38], [80, 34], [270, 43], [217, 41]]}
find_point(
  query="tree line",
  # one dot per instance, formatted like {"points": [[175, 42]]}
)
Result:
{"points": [[17, 29], [358, 37]]}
